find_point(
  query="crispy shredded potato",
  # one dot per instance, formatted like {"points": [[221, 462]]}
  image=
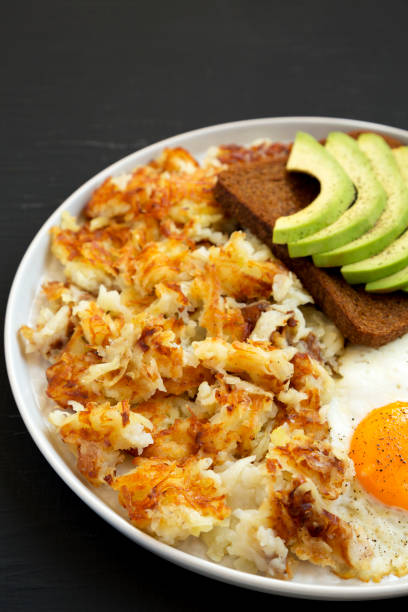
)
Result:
{"points": [[179, 350]]}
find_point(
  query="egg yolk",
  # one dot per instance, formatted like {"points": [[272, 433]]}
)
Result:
{"points": [[379, 450]]}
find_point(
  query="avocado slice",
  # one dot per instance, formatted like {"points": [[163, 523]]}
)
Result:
{"points": [[395, 256], [399, 280], [401, 155], [336, 191], [392, 221], [361, 216]]}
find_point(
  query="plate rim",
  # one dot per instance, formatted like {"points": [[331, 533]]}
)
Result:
{"points": [[174, 555]]}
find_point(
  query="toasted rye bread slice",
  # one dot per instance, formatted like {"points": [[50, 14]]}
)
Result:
{"points": [[257, 194]]}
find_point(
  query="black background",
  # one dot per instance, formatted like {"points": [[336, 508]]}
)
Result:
{"points": [[85, 83]]}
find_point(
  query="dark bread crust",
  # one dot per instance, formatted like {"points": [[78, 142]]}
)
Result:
{"points": [[257, 194]]}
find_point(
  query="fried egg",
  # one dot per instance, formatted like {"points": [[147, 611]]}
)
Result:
{"points": [[370, 378], [379, 450], [368, 418]]}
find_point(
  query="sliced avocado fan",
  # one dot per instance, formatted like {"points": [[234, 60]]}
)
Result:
{"points": [[361, 216], [336, 191], [395, 256], [392, 221], [399, 280]]}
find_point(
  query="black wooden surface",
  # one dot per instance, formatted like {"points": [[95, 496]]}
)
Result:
{"points": [[85, 83]]}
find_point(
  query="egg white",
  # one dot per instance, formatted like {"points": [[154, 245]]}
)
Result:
{"points": [[370, 378]]}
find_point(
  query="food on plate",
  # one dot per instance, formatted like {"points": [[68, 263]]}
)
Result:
{"points": [[357, 181], [401, 155], [398, 280], [392, 258], [258, 194], [190, 373], [336, 193], [383, 474], [393, 219], [357, 219]]}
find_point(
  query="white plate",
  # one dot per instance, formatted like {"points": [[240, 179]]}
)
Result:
{"points": [[314, 584]]}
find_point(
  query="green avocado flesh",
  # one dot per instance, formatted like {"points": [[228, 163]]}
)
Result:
{"points": [[336, 191], [401, 155], [361, 216], [399, 280], [392, 221], [395, 256]]}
